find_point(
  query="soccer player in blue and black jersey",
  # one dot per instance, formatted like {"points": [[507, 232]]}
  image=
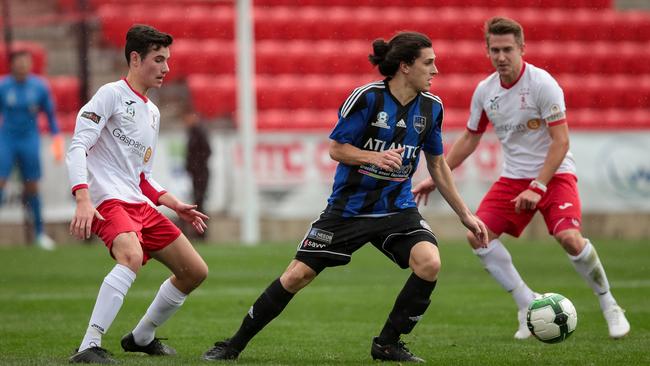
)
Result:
{"points": [[381, 130], [22, 97]]}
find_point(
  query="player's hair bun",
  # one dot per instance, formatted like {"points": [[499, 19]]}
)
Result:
{"points": [[380, 49]]}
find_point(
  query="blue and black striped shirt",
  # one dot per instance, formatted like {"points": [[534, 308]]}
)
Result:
{"points": [[371, 118]]}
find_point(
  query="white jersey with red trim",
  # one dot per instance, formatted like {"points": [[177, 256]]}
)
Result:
{"points": [[520, 114], [113, 146]]}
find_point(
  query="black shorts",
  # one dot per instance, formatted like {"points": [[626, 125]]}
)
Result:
{"points": [[331, 240]]}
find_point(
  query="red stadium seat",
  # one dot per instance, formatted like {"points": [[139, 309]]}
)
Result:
{"points": [[65, 90]]}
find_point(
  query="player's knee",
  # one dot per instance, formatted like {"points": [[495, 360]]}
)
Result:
{"points": [[571, 240], [199, 273], [294, 279], [427, 268], [471, 239]]}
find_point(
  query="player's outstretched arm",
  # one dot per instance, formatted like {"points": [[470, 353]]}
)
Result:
{"points": [[443, 179], [460, 150], [186, 212]]}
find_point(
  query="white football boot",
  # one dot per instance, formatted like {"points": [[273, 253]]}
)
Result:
{"points": [[45, 242], [616, 322], [522, 332], [522, 316]]}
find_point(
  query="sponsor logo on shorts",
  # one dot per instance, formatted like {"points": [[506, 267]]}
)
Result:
{"points": [[94, 117], [425, 225], [565, 205], [415, 318], [321, 235], [312, 244], [575, 222]]}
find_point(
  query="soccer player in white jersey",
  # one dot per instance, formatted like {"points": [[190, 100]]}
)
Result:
{"points": [[526, 107], [109, 164]]}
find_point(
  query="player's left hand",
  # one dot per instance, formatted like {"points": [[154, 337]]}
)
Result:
{"points": [[526, 200], [477, 227], [57, 147], [189, 214]]}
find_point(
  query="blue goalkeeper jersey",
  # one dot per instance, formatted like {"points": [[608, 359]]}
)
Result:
{"points": [[20, 103], [371, 118]]}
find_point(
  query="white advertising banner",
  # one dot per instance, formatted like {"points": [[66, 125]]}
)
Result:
{"points": [[294, 174]]}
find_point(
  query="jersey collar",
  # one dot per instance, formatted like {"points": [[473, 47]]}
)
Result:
{"points": [[521, 73], [144, 98]]}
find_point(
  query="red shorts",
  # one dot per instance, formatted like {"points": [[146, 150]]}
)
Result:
{"points": [[560, 206], [153, 229]]}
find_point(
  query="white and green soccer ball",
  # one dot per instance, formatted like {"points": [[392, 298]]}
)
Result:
{"points": [[552, 318]]}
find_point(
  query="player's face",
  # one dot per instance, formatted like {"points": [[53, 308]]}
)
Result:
{"points": [[506, 56], [153, 68], [422, 71], [21, 66]]}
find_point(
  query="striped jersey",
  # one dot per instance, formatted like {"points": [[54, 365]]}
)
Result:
{"points": [[371, 118], [521, 114], [113, 146]]}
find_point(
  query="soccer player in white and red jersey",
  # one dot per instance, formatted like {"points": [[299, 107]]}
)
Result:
{"points": [[109, 164], [526, 107]]}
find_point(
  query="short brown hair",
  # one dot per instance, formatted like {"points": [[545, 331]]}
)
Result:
{"points": [[143, 38], [501, 26]]}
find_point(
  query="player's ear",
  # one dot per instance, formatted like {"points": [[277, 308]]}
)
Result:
{"points": [[404, 67], [135, 58]]}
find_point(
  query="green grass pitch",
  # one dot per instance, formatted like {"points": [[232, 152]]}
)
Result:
{"points": [[46, 299]]}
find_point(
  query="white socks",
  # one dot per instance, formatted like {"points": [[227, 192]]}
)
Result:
{"points": [[498, 262], [588, 265], [164, 305], [109, 301]]}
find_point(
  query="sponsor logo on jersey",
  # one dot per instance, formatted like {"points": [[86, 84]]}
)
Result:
{"points": [[557, 114], [401, 123], [382, 120], [92, 116], [321, 235], [534, 123], [519, 127], [416, 318], [136, 146], [147, 154], [129, 102], [410, 151], [419, 123]]}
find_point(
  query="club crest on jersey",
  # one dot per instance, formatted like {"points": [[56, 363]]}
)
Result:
{"points": [[494, 104], [153, 122], [382, 120], [419, 123]]}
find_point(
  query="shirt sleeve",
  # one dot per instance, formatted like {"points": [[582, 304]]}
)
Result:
{"points": [[478, 120], [47, 105], [149, 187], [353, 117], [550, 101], [91, 119], [433, 143]]}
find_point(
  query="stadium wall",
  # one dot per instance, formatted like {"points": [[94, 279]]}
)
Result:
{"points": [[295, 175]]}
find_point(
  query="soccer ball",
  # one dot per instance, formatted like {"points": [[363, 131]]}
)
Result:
{"points": [[552, 318]]}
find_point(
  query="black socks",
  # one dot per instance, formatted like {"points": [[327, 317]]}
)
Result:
{"points": [[268, 306]]}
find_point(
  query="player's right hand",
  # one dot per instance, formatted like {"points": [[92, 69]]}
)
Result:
{"points": [[422, 190], [82, 222], [389, 160]]}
